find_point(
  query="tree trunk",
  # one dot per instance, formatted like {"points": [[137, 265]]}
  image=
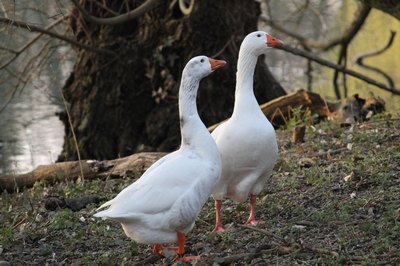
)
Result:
{"points": [[128, 102]]}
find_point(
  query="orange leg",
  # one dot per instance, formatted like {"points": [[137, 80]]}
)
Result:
{"points": [[252, 218], [158, 249], [181, 250], [218, 225]]}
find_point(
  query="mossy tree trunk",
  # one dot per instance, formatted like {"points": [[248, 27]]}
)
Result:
{"points": [[128, 102]]}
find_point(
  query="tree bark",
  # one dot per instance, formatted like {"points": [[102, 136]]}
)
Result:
{"points": [[127, 103]]}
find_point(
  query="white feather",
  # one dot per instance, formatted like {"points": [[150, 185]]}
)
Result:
{"points": [[170, 194], [247, 141]]}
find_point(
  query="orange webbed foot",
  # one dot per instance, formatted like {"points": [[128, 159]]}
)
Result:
{"points": [[158, 249], [253, 222], [219, 228], [187, 258]]}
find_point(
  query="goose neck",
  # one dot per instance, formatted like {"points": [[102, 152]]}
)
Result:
{"points": [[190, 121], [245, 71], [245, 100]]}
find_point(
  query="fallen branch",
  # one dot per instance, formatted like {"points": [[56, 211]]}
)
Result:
{"points": [[321, 251], [136, 164], [236, 257], [286, 248]]}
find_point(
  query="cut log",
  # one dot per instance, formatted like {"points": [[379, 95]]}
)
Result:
{"points": [[280, 110], [135, 164], [298, 134]]}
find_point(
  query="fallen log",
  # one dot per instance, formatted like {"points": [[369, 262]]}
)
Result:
{"points": [[279, 110], [136, 164]]}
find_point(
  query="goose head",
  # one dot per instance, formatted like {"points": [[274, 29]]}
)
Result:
{"points": [[202, 66], [257, 42]]}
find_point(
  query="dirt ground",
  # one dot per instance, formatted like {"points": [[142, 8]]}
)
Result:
{"points": [[333, 200]]}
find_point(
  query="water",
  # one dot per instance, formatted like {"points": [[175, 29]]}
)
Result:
{"points": [[30, 132]]}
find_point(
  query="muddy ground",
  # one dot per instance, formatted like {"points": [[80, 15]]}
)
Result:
{"points": [[333, 200]]}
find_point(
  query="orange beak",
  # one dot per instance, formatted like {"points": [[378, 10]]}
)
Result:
{"points": [[215, 64], [272, 41]]}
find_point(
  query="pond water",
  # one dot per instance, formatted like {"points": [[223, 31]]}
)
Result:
{"points": [[31, 134]]}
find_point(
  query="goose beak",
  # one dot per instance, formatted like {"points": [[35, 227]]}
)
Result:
{"points": [[215, 64], [272, 41]]}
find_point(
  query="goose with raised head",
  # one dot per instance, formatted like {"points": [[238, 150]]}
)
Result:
{"points": [[247, 140], [162, 205]]}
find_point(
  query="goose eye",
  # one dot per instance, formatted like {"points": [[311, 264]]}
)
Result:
{"points": [[258, 35], [202, 60]]}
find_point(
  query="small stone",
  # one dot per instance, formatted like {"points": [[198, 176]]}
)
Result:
{"points": [[349, 146], [349, 177]]}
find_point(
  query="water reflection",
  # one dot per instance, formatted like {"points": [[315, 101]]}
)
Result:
{"points": [[30, 132]]}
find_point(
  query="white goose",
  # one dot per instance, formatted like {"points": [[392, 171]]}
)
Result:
{"points": [[162, 206], [247, 141]]}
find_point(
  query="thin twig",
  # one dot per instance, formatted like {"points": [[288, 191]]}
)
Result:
{"points": [[29, 43], [330, 152], [272, 235], [309, 42], [105, 8], [73, 134], [73, 42]]}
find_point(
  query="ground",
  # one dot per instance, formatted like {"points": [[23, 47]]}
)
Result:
{"points": [[333, 200]]}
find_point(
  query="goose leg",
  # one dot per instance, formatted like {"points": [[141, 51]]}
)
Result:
{"points": [[158, 249], [181, 250], [252, 218], [218, 225]]}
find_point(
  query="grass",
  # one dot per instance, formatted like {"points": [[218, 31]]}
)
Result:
{"points": [[311, 215]]}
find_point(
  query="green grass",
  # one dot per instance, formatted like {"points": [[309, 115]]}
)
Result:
{"points": [[322, 219]]}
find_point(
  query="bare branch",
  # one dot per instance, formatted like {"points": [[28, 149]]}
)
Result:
{"points": [[105, 8], [390, 7], [348, 34], [29, 43], [34, 28], [360, 17], [360, 58], [340, 68], [146, 6]]}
